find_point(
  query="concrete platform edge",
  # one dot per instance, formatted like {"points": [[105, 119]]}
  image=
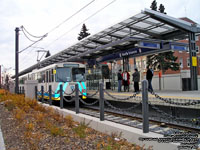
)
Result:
{"points": [[129, 133]]}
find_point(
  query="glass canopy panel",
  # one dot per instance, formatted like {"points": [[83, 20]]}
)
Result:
{"points": [[116, 26], [107, 30], [168, 27], [144, 35], [121, 33], [159, 29], [128, 21], [142, 25], [153, 21]]}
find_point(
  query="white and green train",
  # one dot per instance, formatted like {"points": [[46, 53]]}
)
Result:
{"points": [[68, 74]]}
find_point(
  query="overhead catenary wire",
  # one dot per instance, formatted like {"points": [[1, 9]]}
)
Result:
{"points": [[27, 57], [42, 37], [24, 29], [71, 28], [33, 43], [71, 16], [81, 22], [27, 36]]}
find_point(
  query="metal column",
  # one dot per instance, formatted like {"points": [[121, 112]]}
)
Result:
{"points": [[36, 93], [50, 95], [101, 102], [193, 69], [17, 60], [76, 98], [61, 96], [145, 106]]}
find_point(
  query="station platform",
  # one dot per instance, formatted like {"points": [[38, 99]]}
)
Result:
{"points": [[175, 96]]}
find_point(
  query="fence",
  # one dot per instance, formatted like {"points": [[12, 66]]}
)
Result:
{"points": [[146, 115]]}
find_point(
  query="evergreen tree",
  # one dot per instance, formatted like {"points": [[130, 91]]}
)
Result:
{"points": [[154, 5], [162, 9], [162, 61], [83, 33]]}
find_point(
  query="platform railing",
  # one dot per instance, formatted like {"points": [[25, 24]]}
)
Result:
{"points": [[143, 101]]}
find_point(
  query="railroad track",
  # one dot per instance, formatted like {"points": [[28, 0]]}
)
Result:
{"points": [[135, 121]]}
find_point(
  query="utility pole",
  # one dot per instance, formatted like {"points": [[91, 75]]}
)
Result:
{"points": [[16, 59]]}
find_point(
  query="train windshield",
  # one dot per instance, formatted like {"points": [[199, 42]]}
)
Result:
{"points": [[63, 74], [78, 74]]}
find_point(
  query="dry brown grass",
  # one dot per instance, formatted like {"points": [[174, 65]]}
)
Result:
{"points": [[38, 122]]}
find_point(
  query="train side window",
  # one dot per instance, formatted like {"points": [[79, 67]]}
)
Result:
{"points": [[52, 75]]}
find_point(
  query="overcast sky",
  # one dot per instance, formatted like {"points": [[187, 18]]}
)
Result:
{"points": [[41, 16]]}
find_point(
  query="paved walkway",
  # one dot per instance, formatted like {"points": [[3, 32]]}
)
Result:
{"points": [[2, 145], [166, 94]]}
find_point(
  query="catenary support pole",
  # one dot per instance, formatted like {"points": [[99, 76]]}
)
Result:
{"points": [[17, 60], [145, 106]]}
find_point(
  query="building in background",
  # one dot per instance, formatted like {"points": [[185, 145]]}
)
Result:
{"points": [[171, 80]]}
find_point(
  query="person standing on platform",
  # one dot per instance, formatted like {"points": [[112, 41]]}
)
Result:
{"points": [[119, 75], [126, 77], [136, 80], [149, 77]]}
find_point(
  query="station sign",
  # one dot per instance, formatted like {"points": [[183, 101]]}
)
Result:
{"points": [[144, 48], [179, 47], [176, 46], [147, 44], [130, 52]]}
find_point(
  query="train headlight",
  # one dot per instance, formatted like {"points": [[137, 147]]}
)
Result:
{"points": [[84, 97]]}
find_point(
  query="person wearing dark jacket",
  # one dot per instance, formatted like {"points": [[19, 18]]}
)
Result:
{"points": [[149, 77], [136, 80], [119, 76]]}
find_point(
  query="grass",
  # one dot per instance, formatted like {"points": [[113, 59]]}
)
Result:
{"points": [[80, 130], [37, 121]]}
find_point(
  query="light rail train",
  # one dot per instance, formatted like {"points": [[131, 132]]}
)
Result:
{"points": [[68, 74]]}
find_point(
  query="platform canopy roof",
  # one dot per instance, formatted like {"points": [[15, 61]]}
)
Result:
{"points": [[148, 25]]}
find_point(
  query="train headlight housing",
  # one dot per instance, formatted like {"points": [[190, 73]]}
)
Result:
{"points": [[84, 94]]}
